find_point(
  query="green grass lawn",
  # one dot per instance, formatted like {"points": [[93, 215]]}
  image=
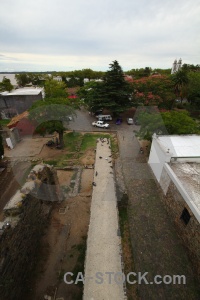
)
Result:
{"points": [[76, 141], [77, 144], [72, 140], [89, 140]]}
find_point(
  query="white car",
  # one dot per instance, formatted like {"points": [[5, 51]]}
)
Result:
{"points": [[100, 124], [130, 121]]}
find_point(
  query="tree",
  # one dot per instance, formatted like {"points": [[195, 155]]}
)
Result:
{"points": [[116, 91], [193, 94], [171, 122], [55, 89], [51, 115], [22, 79], [1, 147], [179, 123], [180, 80], [6, 85], [91, 92], [153, 90], [139, 73]]}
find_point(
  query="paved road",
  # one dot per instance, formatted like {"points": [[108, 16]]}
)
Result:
{"points": [[83, 121], [156, 246]]}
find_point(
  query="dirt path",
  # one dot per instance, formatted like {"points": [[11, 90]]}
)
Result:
{"points": [[65, 237]]}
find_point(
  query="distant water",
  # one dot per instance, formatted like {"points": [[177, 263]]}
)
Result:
{"points": [[9, 76]]}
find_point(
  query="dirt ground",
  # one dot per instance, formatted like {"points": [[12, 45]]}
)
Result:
{"points": [[66, 233]]}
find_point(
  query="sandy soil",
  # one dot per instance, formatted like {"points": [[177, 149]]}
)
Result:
{"points": [[68, 226]]}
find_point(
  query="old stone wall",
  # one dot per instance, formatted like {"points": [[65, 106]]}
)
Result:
{"points": [[19, 103], [20, 250], [20, 245], [190, 233]]}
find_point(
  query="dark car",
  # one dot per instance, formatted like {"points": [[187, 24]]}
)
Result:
{"points": [[118, 121], [98, 112]]}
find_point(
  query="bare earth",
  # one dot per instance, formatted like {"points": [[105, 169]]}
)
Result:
{"points": [[68, 226]]}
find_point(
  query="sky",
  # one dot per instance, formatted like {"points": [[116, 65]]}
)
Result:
{"points": [[67, 35]]}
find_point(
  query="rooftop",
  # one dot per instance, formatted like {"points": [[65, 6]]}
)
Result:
{"points": [[189, 176], [23, 91], [17, 118], [180, 145]]}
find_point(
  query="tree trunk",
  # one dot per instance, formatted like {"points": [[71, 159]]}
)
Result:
{"points": [[61, 139]]}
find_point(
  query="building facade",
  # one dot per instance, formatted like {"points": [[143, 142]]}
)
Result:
{"points": [[175, 163], [18, 101]]}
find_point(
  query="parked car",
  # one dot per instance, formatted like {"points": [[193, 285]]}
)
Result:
{"points": [[98, 112], [118, 121], [101, 124], [104, 117], [130, 121]]}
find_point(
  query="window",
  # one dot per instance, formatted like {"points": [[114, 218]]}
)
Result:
{"points": [[185, 216]]}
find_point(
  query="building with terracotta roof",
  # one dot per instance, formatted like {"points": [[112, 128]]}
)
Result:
{"points": [[23, 124]]}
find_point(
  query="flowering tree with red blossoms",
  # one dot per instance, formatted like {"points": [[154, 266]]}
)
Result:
{"points": [[153, 90]]}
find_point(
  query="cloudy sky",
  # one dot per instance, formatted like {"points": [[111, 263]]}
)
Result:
{"points": [[41, 35]]}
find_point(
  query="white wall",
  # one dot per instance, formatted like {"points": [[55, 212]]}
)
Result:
{"points": [[157, 158]]}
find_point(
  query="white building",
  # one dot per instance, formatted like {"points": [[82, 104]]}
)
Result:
{"points": [[173, 158], [57, 78], [175, 162]]}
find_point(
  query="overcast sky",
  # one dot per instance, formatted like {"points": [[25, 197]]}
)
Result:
{"points": [[41, 35]]}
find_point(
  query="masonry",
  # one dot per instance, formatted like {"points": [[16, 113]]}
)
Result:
{"points": [[18, 101], [182, 208], [20, 244], [175, 162]]}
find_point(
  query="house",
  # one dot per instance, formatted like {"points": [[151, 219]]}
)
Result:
{"points": [[18, 101], [175, 163], [22, 124], [57, 78]]}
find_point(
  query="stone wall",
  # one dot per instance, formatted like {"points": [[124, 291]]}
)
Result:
{"points": [[190, 233], [20, 245], [20, 249], [18, 103]]}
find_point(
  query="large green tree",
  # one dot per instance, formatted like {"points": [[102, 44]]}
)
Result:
{"points": [[22, 79], [193, 94], [51, 115], [91, 95], [116, 90], [55, 89], [170, 122], [6, 85], [180, 80], [112, 94]]}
